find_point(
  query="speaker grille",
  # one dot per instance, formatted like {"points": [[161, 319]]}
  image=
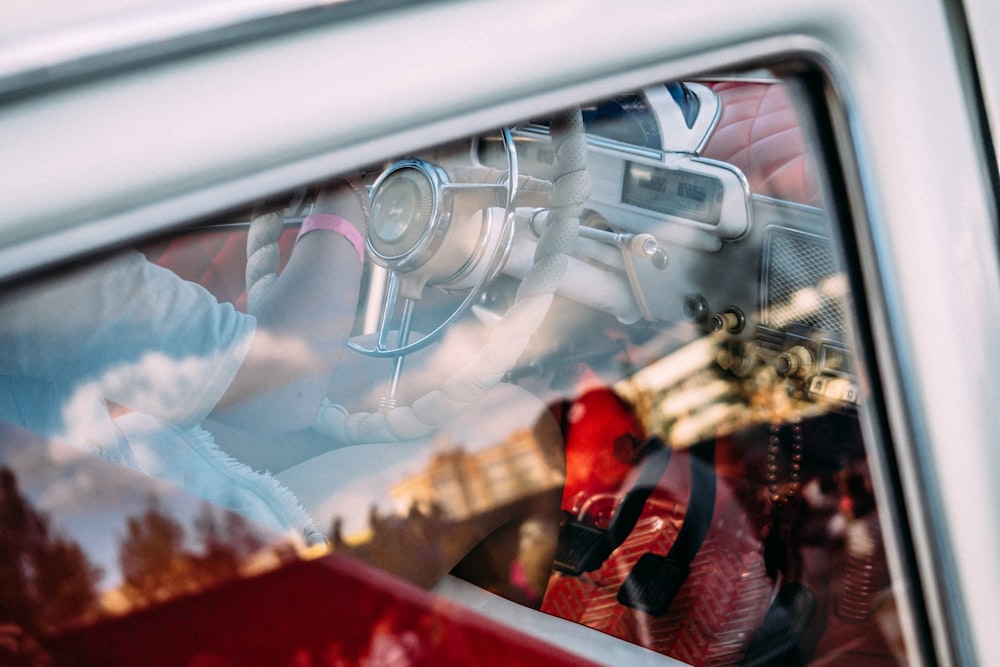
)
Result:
{"points": [[798, 285]]}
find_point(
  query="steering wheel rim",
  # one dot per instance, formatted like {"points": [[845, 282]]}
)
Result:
{"points": [[400, 255]]}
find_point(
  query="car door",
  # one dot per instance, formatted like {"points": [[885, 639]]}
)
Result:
{"points": [[118, 142]]}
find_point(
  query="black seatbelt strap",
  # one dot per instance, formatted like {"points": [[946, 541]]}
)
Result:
{"points": [[654, 580], [583, 547]]}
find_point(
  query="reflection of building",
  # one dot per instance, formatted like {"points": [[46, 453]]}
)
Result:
{"points": [[463, 484]]}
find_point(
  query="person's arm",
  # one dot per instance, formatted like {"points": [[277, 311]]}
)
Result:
{"points": [[302, 326]]}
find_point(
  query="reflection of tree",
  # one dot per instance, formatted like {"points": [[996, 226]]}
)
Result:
{"points": [[424, 545], [411, 546], [46, 582], [157, 565], [151, 556], [225, 546]]}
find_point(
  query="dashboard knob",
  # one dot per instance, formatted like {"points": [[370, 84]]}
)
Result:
{"points": [[696, 308], [794, 362], [644, 245], [730, 321]]}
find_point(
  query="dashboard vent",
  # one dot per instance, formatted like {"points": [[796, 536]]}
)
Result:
{"points": [[801, 283]]}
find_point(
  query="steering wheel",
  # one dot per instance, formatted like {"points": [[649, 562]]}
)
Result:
{"points": [[411, 233]]}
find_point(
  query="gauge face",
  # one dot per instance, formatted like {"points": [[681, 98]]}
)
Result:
{"points": [[673, 192], [402, 208], [395, 208]]}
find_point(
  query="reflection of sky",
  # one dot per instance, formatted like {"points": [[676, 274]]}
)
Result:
{"points": [[88, 500]]}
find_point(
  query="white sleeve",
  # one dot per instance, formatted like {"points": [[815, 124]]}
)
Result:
{"points": [[128, 331]]}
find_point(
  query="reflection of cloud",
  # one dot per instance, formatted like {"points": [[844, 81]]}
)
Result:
{"points": [[506, 410], [82, 485], [174, 390], [426, 369], [86, 422], [182, 391]]}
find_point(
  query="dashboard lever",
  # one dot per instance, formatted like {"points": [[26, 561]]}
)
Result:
{"points": [[643, 245]]}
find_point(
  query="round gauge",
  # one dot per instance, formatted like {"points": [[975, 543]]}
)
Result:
{"points": [[401, 212], [626, 119]]}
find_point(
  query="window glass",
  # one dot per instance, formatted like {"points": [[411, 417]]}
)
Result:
{"points": [[599, 365]]}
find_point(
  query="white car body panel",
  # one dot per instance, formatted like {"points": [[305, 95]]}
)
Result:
{"points": [[133, 150]]}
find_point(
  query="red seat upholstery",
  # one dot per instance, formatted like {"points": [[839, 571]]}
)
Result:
{"points": [[215, 258]]}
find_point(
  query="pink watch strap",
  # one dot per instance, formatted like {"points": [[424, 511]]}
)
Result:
{"points": [[334, 223]]}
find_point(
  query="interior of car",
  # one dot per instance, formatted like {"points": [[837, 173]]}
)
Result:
{"points": [[603, 379]]}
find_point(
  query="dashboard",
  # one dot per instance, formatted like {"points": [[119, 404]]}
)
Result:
{"points": [[718, 255]]}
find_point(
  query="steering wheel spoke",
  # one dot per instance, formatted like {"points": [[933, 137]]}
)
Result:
{"points": [[493, 194], [385, 316]]}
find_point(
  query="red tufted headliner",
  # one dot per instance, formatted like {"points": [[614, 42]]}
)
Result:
{"points": [[759, 132]]}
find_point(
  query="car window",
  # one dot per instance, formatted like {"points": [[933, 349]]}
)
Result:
{"points": [[600, 367]]}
